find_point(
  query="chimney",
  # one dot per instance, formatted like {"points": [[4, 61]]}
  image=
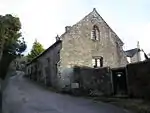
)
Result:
{"points": [[138, 45], [57, 38], [139, 52], [67, 28], [94, 9]]}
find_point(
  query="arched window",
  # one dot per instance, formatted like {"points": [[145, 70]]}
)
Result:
{"points": [[95, 34]]}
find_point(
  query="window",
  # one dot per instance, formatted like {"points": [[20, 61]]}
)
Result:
{"points": [[48, 60], [95, 34], [36, 67], [27, 71], [30, 69], [97, 61], [129, 59]]}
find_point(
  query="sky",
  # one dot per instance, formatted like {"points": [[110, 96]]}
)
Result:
{"points": [[44, 19]]}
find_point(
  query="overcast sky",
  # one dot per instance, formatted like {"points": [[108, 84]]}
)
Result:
{"points": [[44, 19]]}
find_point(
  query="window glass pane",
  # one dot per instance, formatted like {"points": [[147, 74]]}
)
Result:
{"points": [[92, 34], [97, 34], [98, 62], [129, 59], [93, 62]]}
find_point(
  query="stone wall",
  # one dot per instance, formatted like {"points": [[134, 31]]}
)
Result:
{"points": [[139, 79], [78, 48], [49, 65], [93, 79], [44, 68]]}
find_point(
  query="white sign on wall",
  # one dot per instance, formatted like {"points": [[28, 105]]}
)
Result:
{"points": [[74, 85]]}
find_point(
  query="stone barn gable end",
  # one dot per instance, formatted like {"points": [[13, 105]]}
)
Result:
{"points": [[91, 37]]}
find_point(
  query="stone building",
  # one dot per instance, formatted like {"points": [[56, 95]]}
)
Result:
{"points": [[149, 55], [90, 42], [134, 55]]}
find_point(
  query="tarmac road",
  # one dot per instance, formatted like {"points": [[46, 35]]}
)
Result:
{"points": [[23, 96]]}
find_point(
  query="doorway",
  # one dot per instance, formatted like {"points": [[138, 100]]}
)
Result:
{"points": [[119, 81], [48, 76]]}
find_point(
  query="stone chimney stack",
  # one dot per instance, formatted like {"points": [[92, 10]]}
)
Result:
{"points": [[139, 52], [138, 45], [57, 38], [67, 28], [148, 55]]}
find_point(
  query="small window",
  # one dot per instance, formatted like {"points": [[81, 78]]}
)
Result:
{"points": [[97, 62], [36, 67], [129, 59], [95, 34], [30, 70], [27, 71], [48, 60], [93, 62]]}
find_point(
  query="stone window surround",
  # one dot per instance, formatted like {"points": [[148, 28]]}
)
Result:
{"points": [[97, 61], [95, 33]]}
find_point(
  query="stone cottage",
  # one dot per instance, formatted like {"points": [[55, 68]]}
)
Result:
{"points": [[134, 55], [90, 42]]}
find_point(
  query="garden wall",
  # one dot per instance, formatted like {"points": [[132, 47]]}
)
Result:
{"points": [[93, 79], [139, 79]]}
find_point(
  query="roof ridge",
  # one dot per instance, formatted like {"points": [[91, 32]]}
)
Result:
{"points": [[94, 10]]}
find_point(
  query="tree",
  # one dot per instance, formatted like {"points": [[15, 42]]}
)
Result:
{"points": [[12, 45], [36, 50]]}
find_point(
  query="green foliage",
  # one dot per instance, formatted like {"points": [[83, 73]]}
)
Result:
{"points": [[10, 32], [36, 50], [18, 64], [12, 45]]}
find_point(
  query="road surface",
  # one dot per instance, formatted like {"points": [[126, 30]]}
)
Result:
{"points": [[23, 96]]}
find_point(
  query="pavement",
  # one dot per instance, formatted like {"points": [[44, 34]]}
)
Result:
{"points": [[23, 96]]}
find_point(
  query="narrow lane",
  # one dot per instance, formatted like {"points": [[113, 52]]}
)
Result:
{"points": [[23, 96]]}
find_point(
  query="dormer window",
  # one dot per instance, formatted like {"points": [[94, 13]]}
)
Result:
{"points": [[95, 34]]}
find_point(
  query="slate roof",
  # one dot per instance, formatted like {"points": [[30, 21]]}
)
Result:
{"points": [[131, 52], [93, 12], [44, 52]]}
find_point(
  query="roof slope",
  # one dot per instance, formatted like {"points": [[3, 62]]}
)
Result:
{"points": [[44, 52], [117, 38], [94, 12], [132, 52]]}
